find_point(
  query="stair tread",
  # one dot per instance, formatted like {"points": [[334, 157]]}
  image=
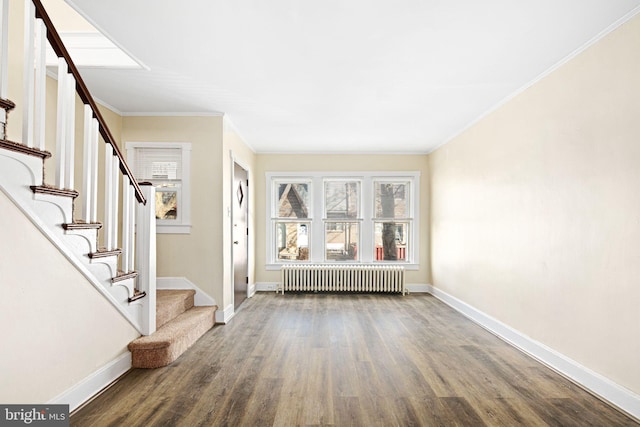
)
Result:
{"points": [[103, 253], [176, 329], [80, 225], [122, 275], [170, 303], [21, 148], [48, 189], [7, 104]]}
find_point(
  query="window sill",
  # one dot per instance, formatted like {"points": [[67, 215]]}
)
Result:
{"points": [[407, 266], [173, 229]]}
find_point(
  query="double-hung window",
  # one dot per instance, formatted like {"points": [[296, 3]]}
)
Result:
{"points": [[167, 166], [363, 217], [342, 219], [291, 216], [392, 219]]}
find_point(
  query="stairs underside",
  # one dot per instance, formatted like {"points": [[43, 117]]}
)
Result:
{"points": [[51, 211], [180, 324]]}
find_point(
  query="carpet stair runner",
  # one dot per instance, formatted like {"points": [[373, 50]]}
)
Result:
{"points": [[179, 324]]}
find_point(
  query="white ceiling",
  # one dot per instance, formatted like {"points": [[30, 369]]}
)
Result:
{"points": [[401, 76]]}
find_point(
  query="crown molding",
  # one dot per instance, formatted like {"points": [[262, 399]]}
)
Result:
{"points": [[172, 114]]}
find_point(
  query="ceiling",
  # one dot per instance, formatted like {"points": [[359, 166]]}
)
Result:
{"points": [[339, 76]]}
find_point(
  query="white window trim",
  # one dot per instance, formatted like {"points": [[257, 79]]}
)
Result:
{"points": [[316, 215], [183, 225]]}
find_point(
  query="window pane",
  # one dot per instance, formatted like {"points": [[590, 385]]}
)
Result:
{"points": [[293, 200], [341, 241], [391, 241], [392, 199], [166, 203], [341, 199], [292, 241], [157, 163]]}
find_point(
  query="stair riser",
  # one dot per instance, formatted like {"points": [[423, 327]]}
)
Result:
{"points": [[190, 333], [90, 236], [34, 167], [169, 310]]}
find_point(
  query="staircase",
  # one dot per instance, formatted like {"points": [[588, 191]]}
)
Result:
{"points": [[179, 324], [124, 274]]}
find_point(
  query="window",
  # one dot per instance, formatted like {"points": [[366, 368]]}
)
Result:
{"points": [[291, 220], [342, 217], [167, 166], [392, 218]]}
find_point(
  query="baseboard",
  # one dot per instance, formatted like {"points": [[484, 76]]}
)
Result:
{"points": [[413, 288], [267, 286], [418, 288], [201, 298], [619, 396], [252, 290], [94, 383], [223, 316]]}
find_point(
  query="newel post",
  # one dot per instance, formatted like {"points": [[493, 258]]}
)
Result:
{"points": [[146, 256]]}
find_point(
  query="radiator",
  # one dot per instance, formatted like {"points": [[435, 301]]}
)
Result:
{"points": [[342, 278]]}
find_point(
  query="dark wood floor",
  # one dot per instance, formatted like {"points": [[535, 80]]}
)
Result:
{"points": [[348, 360]]}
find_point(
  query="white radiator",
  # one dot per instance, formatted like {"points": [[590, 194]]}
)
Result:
{"points": [[342, 278]]}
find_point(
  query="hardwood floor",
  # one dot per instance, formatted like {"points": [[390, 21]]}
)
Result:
{"points": [[348, 360]]}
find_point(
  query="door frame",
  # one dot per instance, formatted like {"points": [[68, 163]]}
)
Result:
{"points": [[250, 287]]}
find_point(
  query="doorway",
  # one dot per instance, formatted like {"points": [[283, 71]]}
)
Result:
{"points": [[240, 235]]}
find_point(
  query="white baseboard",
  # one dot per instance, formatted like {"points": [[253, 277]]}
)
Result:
{"points": [[201, 298], [619, 396], [418, 288], [252, 290], [267, 286], [413, 288], [223, 316], [94, 383]]}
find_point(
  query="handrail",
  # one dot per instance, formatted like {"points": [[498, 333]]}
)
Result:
{"points": [[85, 96]]}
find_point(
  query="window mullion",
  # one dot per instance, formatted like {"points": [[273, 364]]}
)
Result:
{"points": [[366, 233], [317, 223]]}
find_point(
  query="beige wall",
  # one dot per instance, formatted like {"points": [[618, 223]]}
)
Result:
{"points": [[198, 256], [48, 308], [318, 163], [535, 210]]}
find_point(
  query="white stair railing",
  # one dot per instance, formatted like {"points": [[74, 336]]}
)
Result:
{"points": [[29, 74], [4, 47], [4, 62], [137, 232], [40, 84]]}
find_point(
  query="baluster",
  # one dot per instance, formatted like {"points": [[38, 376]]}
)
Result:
{"points": [[40, 83], [87, 165], [128, 225], [61, 127], [93, 206], [28, 82], [108, 205], [115, 175], [132, 227], [4, 48], [4, 62], [70, 134], [126, 212]]}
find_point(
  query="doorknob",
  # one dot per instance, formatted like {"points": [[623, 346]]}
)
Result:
{"points": [[236, 242]]}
